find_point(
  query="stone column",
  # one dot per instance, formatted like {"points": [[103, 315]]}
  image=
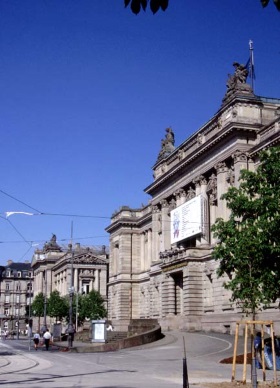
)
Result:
{"points": [[165, 230], [156, 230], [212, 198], [222, 186], [240, 163]]}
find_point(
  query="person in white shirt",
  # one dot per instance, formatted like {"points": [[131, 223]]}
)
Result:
{"points": [[47, 336]]}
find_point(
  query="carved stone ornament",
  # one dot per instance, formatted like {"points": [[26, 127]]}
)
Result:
{"points": [[200, 139], [239, 156], [197, 180], [190, 194], [231, 176], [212, 189], [164, 203], [172, 204], [155, 209], [220, 167]]}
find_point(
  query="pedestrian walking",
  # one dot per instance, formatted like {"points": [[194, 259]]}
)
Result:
{"points": [[36, 339], [47, 336]]}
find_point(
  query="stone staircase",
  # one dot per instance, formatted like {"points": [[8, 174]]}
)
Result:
{"points": [[115, 336]]}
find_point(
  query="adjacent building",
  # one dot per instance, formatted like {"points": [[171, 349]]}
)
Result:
{"points": [[16, 295], [160, 254], [70, 269]]}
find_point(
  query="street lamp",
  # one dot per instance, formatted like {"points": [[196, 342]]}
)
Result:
{"points": [[71, 294], [45, 303]]}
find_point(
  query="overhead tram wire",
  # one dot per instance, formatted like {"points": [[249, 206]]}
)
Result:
{"points": [[38, 212]]}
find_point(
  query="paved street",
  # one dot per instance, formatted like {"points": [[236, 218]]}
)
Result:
{"points": [[157, 365]]}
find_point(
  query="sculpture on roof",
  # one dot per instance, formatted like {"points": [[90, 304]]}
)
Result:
{"points": [[167, 144], [239, 77], [237, 82], [52, 245]]}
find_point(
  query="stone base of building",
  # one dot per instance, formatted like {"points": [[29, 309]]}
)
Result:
{"points": [[219, 323]]}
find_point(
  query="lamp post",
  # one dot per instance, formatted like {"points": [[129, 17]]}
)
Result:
{"points": [[18, 307], [29, 317], [71, 294], [45, 303]]}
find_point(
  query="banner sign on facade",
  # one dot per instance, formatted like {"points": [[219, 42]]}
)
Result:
{"points": [[188, 219]]}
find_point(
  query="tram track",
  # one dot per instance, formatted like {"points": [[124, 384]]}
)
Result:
{"points": [[15, 362]]}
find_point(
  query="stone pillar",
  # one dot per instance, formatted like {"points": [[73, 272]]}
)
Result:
{"points": [[142, 251], [156, 230], [165, 230], [221, 189], [212, 198], [240, 163], [148, 259]]}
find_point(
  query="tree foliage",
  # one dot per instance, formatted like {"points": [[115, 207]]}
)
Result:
{"points": [[38, 305], [276, 3], [57, 306], [92, 306], [249, 247], [155, 5]]}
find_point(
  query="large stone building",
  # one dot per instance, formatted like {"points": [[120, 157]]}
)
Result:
{"points": [[16, 295], [160, 255], [54, 267]]}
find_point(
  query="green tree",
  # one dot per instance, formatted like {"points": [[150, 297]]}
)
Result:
{"points": [[92, 306], [155, 5], [57, 306], [37, 306], [249, 247], [276, 3]]}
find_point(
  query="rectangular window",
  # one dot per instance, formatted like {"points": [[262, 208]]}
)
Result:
{"points": [[6, 311], [17, 299], [7, 286], [7, 298]]}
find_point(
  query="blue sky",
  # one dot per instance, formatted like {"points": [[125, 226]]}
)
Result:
{"points": [[87, 90]]}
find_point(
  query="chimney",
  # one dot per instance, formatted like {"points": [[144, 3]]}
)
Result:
{"points": [[10, 262]]}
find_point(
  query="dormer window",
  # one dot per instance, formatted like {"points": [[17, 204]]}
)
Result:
{"points": [[19, 274]]}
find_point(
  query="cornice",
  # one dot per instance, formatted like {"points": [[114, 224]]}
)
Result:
{"points": [[229, 129]]}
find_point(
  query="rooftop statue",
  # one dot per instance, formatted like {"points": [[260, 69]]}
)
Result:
{"points": [[239, 77], [52, 245], [167, 144], [237, 82]]}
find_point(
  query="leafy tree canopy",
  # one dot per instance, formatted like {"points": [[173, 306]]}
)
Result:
{"points": [[92, 306], [155, 5], [276, 3], [249, 247], [38, 305], [57, 306]]}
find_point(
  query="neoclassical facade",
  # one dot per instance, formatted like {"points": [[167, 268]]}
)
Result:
{"points": [[161, 262], [57, 268]]}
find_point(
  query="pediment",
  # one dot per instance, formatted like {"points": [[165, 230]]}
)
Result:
{"points": [[88, 258]]}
